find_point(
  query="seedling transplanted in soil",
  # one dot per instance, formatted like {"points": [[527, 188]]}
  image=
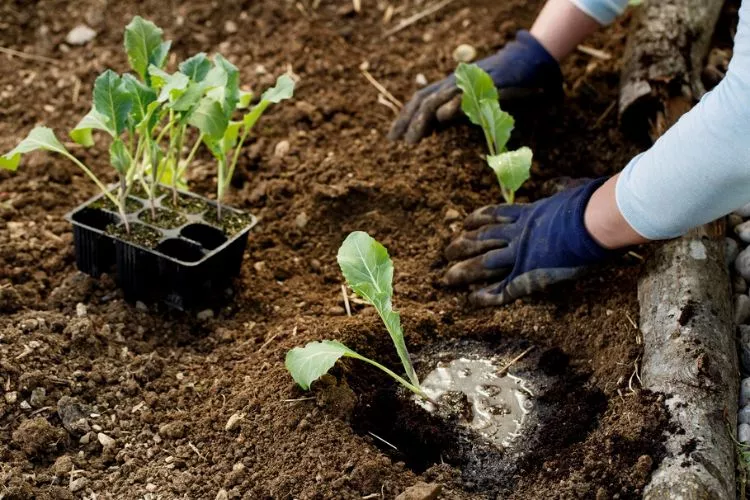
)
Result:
{"points": [[480, 102], [369, 272], [149, 117]]}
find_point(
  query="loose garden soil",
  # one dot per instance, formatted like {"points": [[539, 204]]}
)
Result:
{"points": [[196, 403]]}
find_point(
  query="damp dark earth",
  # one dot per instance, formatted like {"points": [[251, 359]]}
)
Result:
{"points": [[112, 398]]}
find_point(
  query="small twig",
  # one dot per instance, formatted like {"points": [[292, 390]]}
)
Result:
{"points": [[273, 337], [416, 17], [383, 91], [636, 255], [76, 89], [381, 439], [635, 374], [346, 301], [631, 321], [604, 115], [357, 4], [40, 410], [591, 51], [388, 104], [309, 398], [193, 447], [370, 496], [24, 55], [515, 360]]}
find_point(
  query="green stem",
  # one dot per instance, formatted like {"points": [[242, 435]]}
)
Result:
{"points": [[220, 186], [93, 177], [413, 388]]}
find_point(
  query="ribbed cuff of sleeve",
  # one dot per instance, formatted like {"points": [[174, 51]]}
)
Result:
{"points": [[604, 11]]}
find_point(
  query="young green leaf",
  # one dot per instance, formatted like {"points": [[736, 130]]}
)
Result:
{"points": [[512, 169], [224, 77], [369, 272], [189, 98], [284, 89], [144, 46], [112, 100], [171, 86], [93, 120], [499, 125], [196, 67], [477, 86], [210, 119], [307, 364], [39, 138], [141, 95], [119, 156], [246, 97]]}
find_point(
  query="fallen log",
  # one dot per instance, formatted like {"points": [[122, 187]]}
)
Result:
{"points": [[690, 354]]}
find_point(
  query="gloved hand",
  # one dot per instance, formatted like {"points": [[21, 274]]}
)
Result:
{"points": [[522, 68], [525, 246]]}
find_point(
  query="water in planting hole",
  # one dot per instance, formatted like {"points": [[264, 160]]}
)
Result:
{"points": [[208, 236], [481, 395]]}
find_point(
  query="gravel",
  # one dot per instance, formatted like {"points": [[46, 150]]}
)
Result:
{"points": [[741, 309]]}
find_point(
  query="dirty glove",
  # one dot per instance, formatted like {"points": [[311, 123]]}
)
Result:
{"points": [[527, 247], [522, 68]]}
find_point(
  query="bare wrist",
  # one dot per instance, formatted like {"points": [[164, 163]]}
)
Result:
{"points": [[604, 221]]}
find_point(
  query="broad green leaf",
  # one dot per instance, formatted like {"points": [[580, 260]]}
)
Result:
{"points": [[94, 120], [512, 169], [246, 97], [171, 86], [230, 136], [210, 119], [224, 77], [284, 89], [159, 77], [369, 272], [307, 364], [196, 67], [499, 124], [144, 46], [189, 98], [112, 100], [119, 156], [477, 86], [141, 95], [39, 138]]}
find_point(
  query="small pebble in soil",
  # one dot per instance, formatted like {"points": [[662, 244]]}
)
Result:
{"points": [[25, 405], [336, 311], [38, 397], [420, 80], [78, 484], [731, 250], [80, 35], [173, 430], [205, 315], [745, 392], [74, 415], [451, 215], [743, 231], [11, 397], [301, 220], [421, 491], [739, 285], [222, 495], [230, 26], [80, 310], [62, 466], [281, 149], [233, 422], [106, 441], [464, 53], [743, 211], [741, 309], [743, 433]]}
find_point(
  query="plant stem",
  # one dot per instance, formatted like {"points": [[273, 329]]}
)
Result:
{"points": [[93, 177], [413, 388], [220, 186], [122, 206]]}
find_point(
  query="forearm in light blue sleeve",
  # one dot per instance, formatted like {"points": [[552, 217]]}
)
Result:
{"points": [[700, 169], [604, 11]]}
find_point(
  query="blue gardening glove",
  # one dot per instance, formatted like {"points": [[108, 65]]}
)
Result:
{"points": [[523, 68], [525, 247]]}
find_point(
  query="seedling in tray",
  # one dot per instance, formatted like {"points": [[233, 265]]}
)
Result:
{"points": [[480, 102], [149, 115], [369, 272]]}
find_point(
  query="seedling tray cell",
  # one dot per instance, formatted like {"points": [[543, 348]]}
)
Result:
{"points": [[190, 266]]}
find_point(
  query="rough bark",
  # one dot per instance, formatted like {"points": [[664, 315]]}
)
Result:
{"points": [[664, 58], [690, 354]]}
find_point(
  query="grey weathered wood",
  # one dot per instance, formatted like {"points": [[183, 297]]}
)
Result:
{"points": [[664, 56], [690, 356]]}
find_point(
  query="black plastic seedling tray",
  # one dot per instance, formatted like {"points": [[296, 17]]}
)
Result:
{"points": [[191, 266]]}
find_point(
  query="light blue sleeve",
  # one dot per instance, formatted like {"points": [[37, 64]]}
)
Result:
{"points": [[700, 169], [604, 11]]}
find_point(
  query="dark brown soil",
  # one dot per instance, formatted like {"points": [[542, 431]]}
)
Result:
{"points": [[131, 205], [164, 386], [165, 219], [185, 204], [139, 233], [230, 222]]}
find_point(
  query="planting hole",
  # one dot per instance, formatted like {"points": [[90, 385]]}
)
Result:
{"points": [[95, 218], [180, 250], [208, 236]]}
